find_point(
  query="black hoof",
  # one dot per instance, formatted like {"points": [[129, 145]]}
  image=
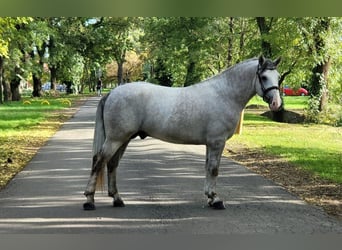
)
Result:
{"points": [[217, 205], [118, 203], [89, 206]]}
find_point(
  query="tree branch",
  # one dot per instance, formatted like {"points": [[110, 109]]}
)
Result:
{"points": [[282, 77]]}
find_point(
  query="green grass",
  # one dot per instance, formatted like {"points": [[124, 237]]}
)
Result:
{"points": [[317, 148], [24, 127], [29, 112], [291, 102]]}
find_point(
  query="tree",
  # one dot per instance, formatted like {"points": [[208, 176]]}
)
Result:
{"points": [[281, 37], [64, 59], [265, 29], [320, 71], [38, 34], [4, 40], [18, 65], [11, 56], [175, 51], [56, 48], [322, 37], [180, 44], [116, 38], [73, 53]]}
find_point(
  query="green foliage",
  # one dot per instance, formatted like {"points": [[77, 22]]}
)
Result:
{"points": [[175, 51], [7, 32], [181, 45], [312, 110], [331, 115]]}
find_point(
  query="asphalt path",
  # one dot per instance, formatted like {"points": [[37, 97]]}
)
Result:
{"points": [[161, 184]]}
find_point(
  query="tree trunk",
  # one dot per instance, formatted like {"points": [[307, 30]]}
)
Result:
{"points": [[37, 75], [242, 40], [7, 91], [15, 83], [230, 42], [325, 97], [120, 58], [1, 77], [37, 86], [120, 72], [191, 76], [53, 77], [319, 83], [264, 29], [52, 50], [319, 79]]}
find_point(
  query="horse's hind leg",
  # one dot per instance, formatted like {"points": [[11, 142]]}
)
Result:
{"points": [[111, 172], [99, 161], [213, 158]]}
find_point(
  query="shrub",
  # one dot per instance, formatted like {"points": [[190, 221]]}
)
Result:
{"points": [[312, 110], [331, 115]]}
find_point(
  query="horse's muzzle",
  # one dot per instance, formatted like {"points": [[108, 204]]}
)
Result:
{"points": [[276, 103]]}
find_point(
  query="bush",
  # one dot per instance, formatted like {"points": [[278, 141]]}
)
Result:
{"points": [[331, 115], [312, 110]]}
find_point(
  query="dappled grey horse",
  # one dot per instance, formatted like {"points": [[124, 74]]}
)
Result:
{"points": [[206, 113]]}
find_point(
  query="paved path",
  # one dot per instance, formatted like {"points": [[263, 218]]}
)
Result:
{"points": [[161, 184]]}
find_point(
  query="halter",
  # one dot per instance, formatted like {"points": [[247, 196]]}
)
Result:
{"points": [[265, 90]]}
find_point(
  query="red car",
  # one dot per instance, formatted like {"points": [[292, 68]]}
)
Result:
{"points": [[290, 91]]}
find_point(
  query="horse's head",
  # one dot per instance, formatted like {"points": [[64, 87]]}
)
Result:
{"points": [[268, 82]]}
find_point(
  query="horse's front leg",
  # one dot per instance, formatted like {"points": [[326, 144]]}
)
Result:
{"points": [[213, 158]]}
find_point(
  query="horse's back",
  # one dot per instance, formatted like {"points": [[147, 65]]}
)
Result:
{"points": [[143, 97], [133, 107]]}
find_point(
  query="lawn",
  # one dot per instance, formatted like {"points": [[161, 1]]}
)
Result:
{"points": [[291, 102], [24, 127], [316, 148], [29, 112]]}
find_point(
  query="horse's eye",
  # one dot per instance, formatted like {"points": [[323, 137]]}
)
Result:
{"points": [[263, 78]]}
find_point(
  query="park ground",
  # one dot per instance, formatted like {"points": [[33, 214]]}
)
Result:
{"points": [[304, 158], [23, 136]]}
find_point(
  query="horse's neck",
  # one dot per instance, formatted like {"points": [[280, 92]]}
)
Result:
{"points": [[238, 83]]}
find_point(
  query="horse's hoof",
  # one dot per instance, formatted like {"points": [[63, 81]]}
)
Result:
{"points": [[89, 206], [118, 203], [217, 205]]}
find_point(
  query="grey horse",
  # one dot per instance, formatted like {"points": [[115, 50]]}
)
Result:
{"points": [[206, 113]]}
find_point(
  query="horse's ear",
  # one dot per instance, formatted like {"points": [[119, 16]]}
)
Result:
{"points": [[277, 61], [261, 60]]}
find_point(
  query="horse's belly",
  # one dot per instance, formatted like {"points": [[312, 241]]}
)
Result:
{"points": [[178, 136], [178, 140]]}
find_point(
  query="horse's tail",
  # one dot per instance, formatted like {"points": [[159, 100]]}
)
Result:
{"points": [[99, 139]]}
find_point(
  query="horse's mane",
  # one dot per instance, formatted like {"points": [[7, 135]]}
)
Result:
{"points": [[229, 69], [240, 63]]}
